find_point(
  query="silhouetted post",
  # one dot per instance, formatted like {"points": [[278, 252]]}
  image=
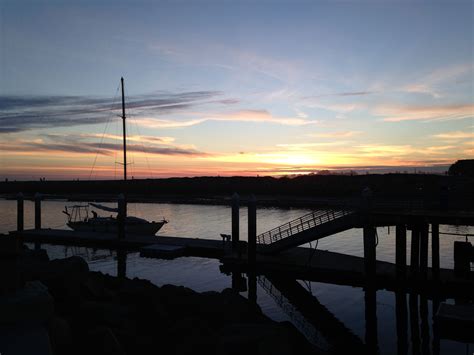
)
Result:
{"points": [[239, 284], [401, 250], [252, 231], [20, 212], [435, 250], [414, 325], [402, 321], [425, 328], [371, 319], [37, 211], [121, 216], [424, 250], [436, 340], [121, 264], [369, 251], [415, 250], [235, 224], [37, 216], [462, 256], [252, 286]]}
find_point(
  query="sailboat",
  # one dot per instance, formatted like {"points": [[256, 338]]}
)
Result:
{"points": [[80, 220]]}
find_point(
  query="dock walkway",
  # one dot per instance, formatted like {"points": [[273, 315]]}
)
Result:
{"points": [[299, 262]]}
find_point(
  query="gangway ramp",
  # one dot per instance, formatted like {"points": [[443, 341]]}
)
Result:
{"points": [[310, 227]]}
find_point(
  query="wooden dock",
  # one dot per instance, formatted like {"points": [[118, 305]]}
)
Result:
{"points": [[192, 246], [298, 263]]}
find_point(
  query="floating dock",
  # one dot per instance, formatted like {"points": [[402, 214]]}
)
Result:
{"points": [[299, 262]]}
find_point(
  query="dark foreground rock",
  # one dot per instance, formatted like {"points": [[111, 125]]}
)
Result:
{"points": [[101, 314]]}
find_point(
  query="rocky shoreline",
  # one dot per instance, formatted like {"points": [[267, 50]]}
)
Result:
{"points": [[100, 314]]}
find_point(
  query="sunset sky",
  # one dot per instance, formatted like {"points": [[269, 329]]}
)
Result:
{"points": [[234, 87]]}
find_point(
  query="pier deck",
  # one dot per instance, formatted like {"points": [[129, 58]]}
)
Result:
{"points": [[299, 262], [194, 246]]}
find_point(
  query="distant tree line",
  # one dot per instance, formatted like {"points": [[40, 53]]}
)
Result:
{"points": [[462, 168]]}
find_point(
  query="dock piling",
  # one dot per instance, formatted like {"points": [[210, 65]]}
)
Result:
{"points": [[424, 250], [369, 251], [37, 216], [235, 224], [20, 212], [37, 211], [371, 338], [415, 250], [252, 287], [435, 250], [252, 231], [121, 216], [121, 264], [401, 310], [401, 250]]}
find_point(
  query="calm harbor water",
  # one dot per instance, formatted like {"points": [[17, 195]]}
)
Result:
{"points": [[201, 221]]}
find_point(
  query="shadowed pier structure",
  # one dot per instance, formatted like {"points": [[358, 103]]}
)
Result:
{"points": [[337, 336], [279, 250]]}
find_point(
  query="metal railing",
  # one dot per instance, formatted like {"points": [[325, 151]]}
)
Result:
{"points": [[301, 224]]}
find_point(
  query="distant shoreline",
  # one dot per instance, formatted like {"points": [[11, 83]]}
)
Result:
{"points": [[301, 191]]}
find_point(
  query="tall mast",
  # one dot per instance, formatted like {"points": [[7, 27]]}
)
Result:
{"points": [[124, 134]]}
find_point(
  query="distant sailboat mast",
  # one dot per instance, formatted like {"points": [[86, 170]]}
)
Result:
{"points": [[124, 134]]}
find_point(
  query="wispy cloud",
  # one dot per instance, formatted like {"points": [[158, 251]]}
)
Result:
{"points": [[432, 84], [341, 94], [397, 113], [454, 135], [94, 148], [133, 138], [341, 107], [342, 134], [238, 116], [25, 113]]}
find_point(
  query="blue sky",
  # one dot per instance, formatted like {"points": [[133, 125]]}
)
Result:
{"points": [[235, 87]]}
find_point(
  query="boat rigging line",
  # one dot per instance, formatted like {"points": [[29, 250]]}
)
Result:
{"points": [[103, 134]]}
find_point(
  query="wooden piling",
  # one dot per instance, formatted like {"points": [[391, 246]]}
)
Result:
{"points": [[369, 251], [121, 217], [252, 287], [37, 211], [414, 323], [415, 250], [435, 250], [20, 212], [37, 216], [252, 231], [424, 250], [401, 250], [371, 338], [402, 321], [424, 325], [121, 264], [235, 224]]}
